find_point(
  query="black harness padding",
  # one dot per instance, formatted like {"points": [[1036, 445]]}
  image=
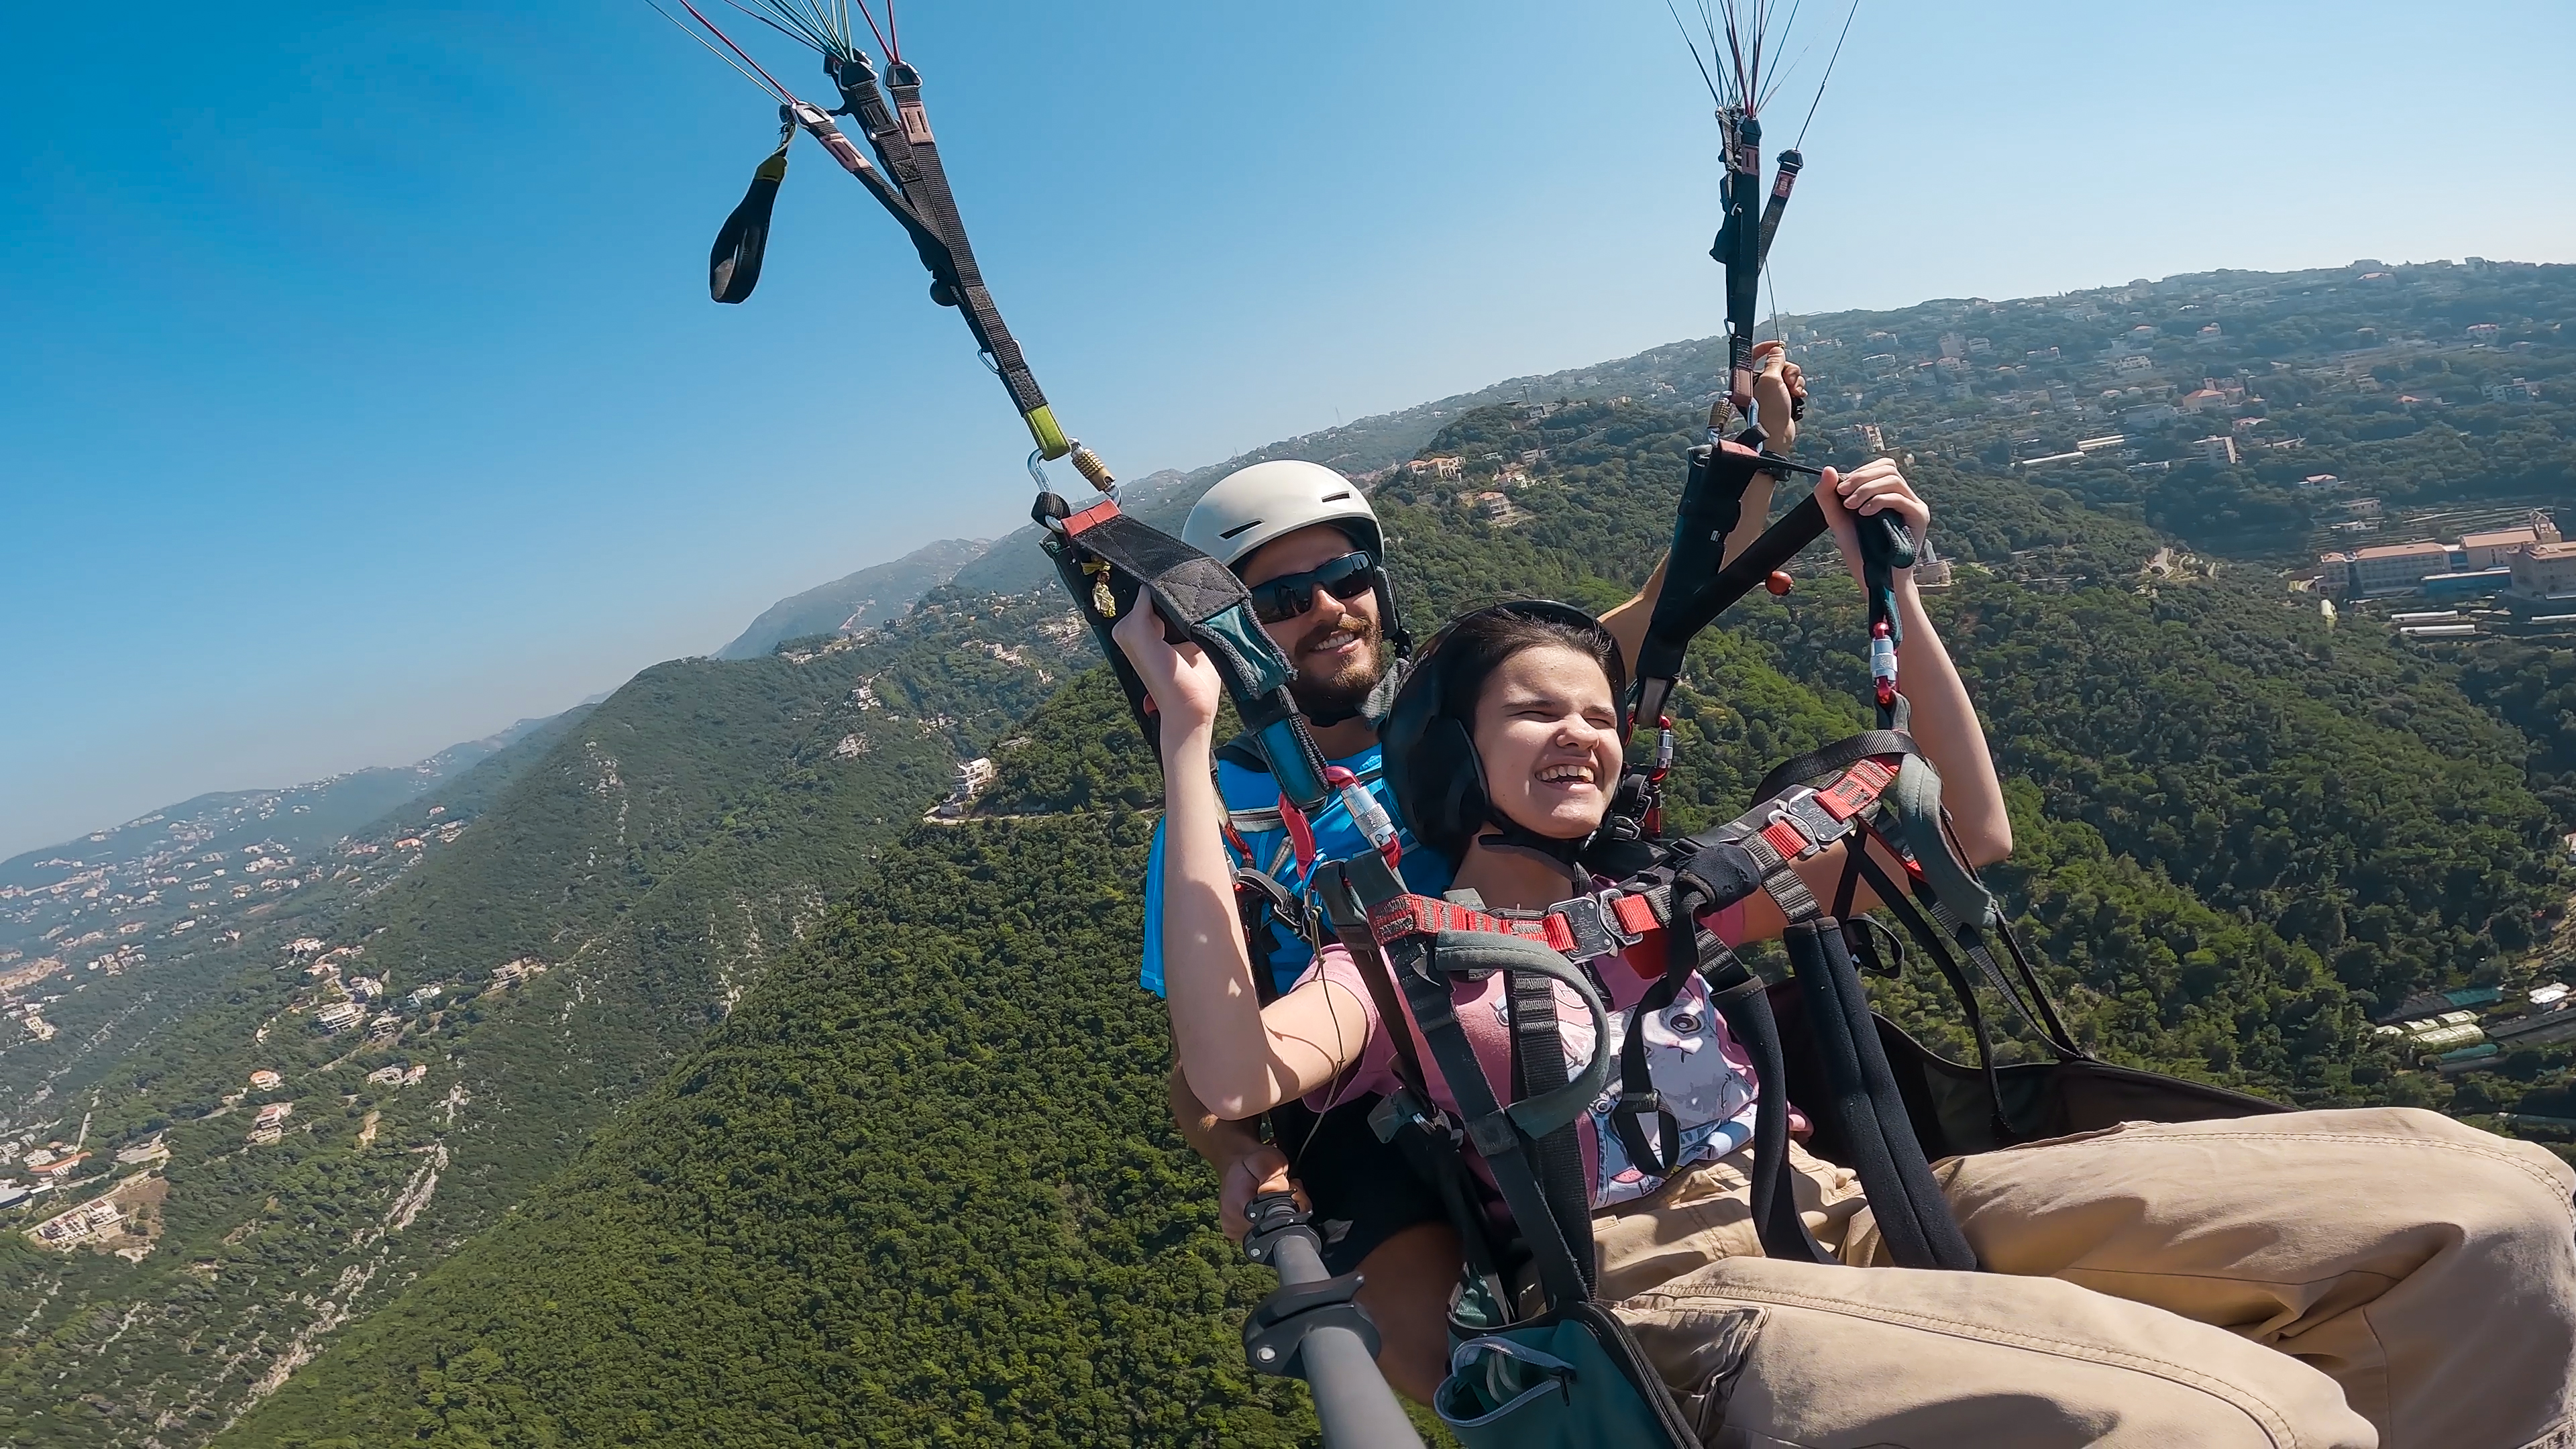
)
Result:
{"points": [[1711, 507], [733, 264], [1912, 1214], [1104, 554], [1538, 1066]]}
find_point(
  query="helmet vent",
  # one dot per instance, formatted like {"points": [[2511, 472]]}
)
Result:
{"points": [[1240, 528], [1337, 497]]}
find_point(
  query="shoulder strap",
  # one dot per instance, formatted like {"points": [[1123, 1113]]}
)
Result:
{"points": [[1351, 927], [1538, 1067]]}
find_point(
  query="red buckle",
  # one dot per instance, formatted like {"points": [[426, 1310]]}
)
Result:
{"points": [[1785, 837], [1636, 914], [1098, 513], [1853, 793]]}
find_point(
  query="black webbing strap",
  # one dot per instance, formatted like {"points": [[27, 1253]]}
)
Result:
{"points": [[1739, 248], [2060, 1039], [1833, 759], [1505, 1148], [1351, 926], [1783, 182], [856, 79], [1538, 1066], [1637, 1095], [913, 188], [939, 207], [1912, 1214], [1430, 1143], [1892, 896], [1744, 1000], [932, 247], [1265, 904]]}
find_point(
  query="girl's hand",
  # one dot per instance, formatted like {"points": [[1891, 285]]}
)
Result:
{"points": [[1778, 385], [1873, 488], [1183, 684]]}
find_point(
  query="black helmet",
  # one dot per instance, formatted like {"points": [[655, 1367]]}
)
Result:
{"points": [[1430, 753]]}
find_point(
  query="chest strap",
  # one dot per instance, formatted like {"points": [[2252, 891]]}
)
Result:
{"points": [[1776, 834]]}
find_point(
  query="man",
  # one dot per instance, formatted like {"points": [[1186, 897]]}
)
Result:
{"points": [[1309, 547]]}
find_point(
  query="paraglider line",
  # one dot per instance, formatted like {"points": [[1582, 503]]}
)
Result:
{"points": [[1693, 47], [1829, 72], [761, 80], [783, 93]]}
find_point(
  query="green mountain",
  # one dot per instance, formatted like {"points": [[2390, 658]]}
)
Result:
{"points": [[868, 599], [919, 1187], [514, 960], [826, 1123]]}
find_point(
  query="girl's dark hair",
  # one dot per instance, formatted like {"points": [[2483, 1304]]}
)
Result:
{"points": [[1430, 749], [1474, 646]]}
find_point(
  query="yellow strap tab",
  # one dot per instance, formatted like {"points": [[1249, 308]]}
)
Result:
{"points": [[1048, 433]]}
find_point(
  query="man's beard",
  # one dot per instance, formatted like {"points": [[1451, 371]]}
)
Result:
{"points": [[1330, 691]]}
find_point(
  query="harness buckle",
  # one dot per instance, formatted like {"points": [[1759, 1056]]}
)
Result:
{"points": [[1802, 824], [1596, 924]]}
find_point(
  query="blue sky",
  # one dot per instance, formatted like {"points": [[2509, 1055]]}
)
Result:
{"points": [[360, 391]]}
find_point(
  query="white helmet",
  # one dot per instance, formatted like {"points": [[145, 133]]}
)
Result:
{"points": [[1251, 506]]}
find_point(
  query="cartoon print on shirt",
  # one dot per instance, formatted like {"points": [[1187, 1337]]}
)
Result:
{"points": [[1703, 1077]]}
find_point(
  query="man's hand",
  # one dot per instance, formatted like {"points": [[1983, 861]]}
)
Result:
{"points": [[1262, 1170], [1873, 487], [1183, 682], [1779, 385]]}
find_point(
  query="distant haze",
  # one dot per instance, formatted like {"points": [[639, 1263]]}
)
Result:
{"points": [[364, 394]]}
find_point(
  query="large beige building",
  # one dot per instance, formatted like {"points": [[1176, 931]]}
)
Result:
{"points": [[2545, 571], [2495, 549], [2396, 568]]}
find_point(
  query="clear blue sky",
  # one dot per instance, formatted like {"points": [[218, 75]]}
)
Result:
{"points": [[360, 392]]}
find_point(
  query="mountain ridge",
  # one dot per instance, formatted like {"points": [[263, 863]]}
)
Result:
{"points": [[915, 1175], [866, 599]]}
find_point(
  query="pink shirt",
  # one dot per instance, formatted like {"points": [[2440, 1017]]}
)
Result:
{"points": [[1705, 1077]]}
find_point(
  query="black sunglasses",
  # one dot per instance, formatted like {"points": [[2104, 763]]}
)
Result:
{"points": [[1290, 595]]}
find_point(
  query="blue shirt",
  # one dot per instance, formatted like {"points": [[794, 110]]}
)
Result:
{"points": [[1252, 798]]}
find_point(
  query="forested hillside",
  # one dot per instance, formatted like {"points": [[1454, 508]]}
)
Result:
{"points": [[919, 1187], [825, 1124], [515, 960]]}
